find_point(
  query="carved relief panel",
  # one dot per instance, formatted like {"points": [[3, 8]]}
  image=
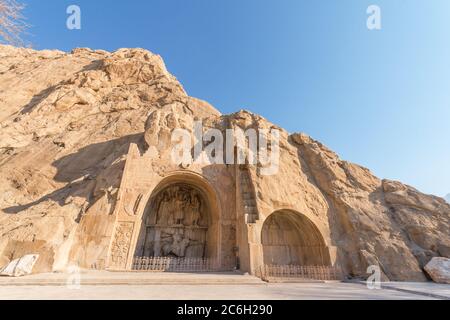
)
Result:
{"points": [[121, 245], [175, 224]]}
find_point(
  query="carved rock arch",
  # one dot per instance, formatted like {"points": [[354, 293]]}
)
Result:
{"points": [[291, 238], [181, 219]]}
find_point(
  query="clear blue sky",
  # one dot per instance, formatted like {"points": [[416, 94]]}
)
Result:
{"points": [[378, 98]]}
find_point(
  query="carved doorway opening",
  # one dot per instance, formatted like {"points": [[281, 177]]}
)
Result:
{"points": [[291, 239], [177, 223]]}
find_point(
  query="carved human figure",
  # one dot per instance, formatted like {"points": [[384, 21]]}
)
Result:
{"points": [[171, 209], [179, 245], [175, 245], [164, 210], [193, 214], [180, 204]]}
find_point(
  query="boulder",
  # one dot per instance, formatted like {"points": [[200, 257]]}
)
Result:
{"points": [[439, 270], [20, 267]]}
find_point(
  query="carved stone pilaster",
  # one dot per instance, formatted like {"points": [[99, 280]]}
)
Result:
{"points": [[120, 247]]}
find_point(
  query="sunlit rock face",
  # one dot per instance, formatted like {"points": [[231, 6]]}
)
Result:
{"points": [[439, 270], [86, 178]]}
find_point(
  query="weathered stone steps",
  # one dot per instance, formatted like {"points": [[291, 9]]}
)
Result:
{"points": [[248, 196]]}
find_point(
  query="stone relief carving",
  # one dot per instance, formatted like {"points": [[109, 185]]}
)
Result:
{"points": [[121, 244], [176, 224], [178, 205]]}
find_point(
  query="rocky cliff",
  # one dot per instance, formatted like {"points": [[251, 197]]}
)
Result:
{"points": [[66, 123]]}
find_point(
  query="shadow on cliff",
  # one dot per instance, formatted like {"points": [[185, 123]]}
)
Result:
{"points": [[44, 94], [38, 98], [89, 173]]}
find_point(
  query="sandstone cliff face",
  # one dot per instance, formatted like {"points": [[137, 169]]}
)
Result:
{"points": [[377, 222], [66, 123]]}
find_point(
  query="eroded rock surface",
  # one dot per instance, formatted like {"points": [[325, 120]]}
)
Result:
{"points": [[439, 270], [66, 124], [20, 267]]}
